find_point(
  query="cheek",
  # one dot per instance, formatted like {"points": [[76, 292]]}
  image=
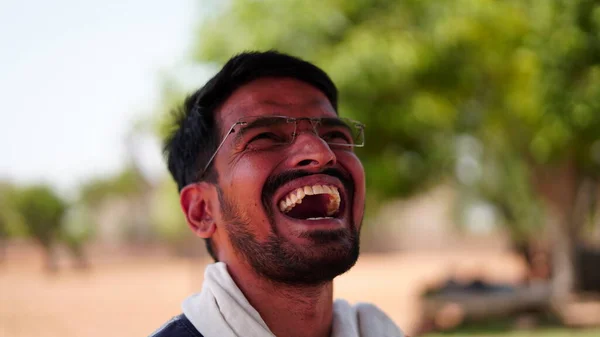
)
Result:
{"points": [[353, 165], [244, 178]]}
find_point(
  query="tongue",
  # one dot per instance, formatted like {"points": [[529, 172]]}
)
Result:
{"points": [[312, 206]]}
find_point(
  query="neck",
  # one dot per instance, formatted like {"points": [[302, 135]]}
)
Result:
{"points": [[287, 310]]}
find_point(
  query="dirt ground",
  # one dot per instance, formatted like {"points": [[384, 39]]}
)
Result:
{"points": [[136, 294]]}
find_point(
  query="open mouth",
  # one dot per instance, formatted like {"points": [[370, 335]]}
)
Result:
{"points": [[312, 202]]}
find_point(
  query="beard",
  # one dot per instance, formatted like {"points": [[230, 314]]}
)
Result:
{"points": [[328, 254]]}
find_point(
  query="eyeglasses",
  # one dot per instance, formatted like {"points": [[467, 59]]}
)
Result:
{"points": [[268, 133]]}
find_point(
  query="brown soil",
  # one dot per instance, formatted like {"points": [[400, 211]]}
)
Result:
{"points": [[135, 295]]}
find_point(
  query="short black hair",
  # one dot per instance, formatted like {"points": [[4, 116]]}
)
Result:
{"points": [[195, 133]]}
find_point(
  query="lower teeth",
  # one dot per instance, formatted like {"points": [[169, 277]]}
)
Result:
{"points": [[319, 218]]}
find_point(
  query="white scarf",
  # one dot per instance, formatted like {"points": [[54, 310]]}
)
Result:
{"points": [[221, 310]]}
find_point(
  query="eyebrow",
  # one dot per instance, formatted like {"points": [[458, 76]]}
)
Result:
{"points": [[332, 121]]}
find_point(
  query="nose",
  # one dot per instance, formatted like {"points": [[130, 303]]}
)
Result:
{"points": [[310, 152]]}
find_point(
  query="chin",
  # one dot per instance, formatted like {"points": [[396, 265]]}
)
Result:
{"points": [[321, 257], [313, 237]]}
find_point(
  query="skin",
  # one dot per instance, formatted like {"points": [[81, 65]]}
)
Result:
{"points": [[288, 310]]}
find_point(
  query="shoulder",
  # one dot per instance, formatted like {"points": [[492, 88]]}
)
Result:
{"points": [[178, 326], [368, 319], [372, 318]]}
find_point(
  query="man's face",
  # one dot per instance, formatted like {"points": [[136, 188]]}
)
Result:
{"points": [[298, 243]]}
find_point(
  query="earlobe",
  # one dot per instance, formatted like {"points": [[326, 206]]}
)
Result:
{"points": [[195, 203]]}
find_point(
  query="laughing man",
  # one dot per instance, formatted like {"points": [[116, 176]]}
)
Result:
{"points": [[268, 177]]}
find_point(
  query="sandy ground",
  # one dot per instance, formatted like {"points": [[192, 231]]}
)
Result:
{"points": [[137, 294]]}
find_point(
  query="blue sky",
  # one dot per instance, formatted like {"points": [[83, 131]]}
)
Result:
{"points": [[75, 75]]}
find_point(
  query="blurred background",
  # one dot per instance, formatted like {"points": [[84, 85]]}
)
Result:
{"points": [[482, 157]]}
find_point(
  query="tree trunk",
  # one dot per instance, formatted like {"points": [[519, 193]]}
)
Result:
{"points": [[558, 188], [50, 258], [563, 276]]}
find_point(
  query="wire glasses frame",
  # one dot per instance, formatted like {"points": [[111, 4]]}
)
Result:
{"points": [[281, 130]]}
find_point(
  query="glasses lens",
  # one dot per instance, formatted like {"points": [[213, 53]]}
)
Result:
{"points": [[342, 132], [262, 133]]}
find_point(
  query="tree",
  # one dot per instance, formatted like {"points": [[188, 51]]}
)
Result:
{"points": [[10, 221], [565, 144], [417, 73], [517, 80], [77, 230], [130, 188], [42, 211]]}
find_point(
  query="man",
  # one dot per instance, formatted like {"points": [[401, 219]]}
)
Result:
{"points": [[268, 177]]}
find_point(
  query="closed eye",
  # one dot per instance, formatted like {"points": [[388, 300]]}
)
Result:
{"points": [[266, 136], [337, 137], [265, 141]]}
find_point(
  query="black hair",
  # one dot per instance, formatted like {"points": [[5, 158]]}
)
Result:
{"points": [[196, 135]]}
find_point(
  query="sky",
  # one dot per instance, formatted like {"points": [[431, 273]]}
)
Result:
{"points": [[75, 75]]}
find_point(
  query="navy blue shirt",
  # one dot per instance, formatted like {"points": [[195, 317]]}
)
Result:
{"points": [[178, 326]]}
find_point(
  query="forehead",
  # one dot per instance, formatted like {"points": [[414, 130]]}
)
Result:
{"points": [[274, 96]]}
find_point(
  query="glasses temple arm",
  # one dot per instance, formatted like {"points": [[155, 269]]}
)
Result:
{"points": [[217, 150]]}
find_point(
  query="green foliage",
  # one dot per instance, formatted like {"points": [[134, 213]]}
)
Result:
{"points": [[415, 72], [11, 222], [38, 212], [78, 226], [42, 211], [166, 214], [568, 45], [126, 182], [521, 78], [172, 97]]}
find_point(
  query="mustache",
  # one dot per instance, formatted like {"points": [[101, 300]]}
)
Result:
{"points": [[276, 181]]}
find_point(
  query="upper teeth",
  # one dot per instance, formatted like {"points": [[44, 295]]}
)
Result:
{"points": [[295, 197]]}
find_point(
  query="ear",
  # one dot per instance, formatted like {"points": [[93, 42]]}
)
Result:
{"points": [[195, 200]]}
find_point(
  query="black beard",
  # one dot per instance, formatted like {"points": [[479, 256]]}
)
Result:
{"points": [[332, 252]]}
